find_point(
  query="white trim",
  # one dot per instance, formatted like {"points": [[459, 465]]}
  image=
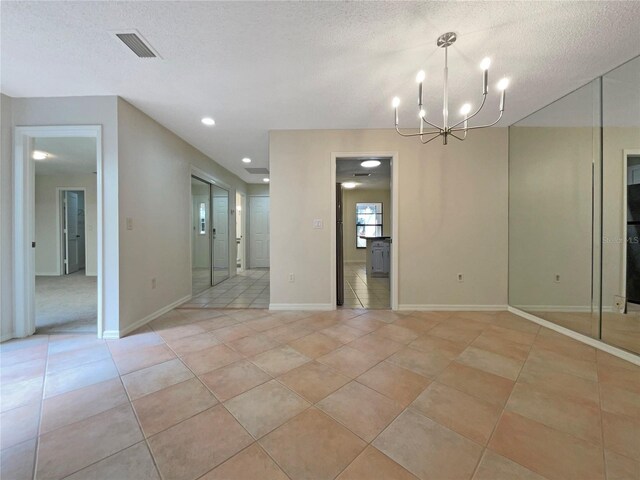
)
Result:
{"points": [[557, 308], [393, 277], [452, 308], [302, 306], [24, 220], [115, 334], [617, 352]]}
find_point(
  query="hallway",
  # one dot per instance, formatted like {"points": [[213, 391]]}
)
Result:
{"points": [[248, 289]]}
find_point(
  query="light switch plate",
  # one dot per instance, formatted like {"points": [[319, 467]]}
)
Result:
{"points": [[129, 223], [317, 223]]}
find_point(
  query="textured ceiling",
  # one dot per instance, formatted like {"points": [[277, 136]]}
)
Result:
{"points": [[258, 66], [67, 156]]}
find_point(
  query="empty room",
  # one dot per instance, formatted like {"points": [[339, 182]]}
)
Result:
{"points": [[319, 240]]}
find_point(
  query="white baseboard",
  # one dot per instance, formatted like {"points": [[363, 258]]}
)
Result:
{"points": [[115, 334], [618, 352], [451, 308], [556, 308], [301, 306], [48, 274]]}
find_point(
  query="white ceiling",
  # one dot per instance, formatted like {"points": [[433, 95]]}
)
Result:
{"points": [[66, 155], [258, 66], [379, 178]]}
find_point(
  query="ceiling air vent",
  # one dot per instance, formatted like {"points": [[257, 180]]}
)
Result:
{"points": [[258, 171], [136, 43], [361, 174]]}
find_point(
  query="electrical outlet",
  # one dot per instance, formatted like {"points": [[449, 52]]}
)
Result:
{"points": [[317, 223], [556, 278], [292, 278], [153, 284], [129, 223], [460, 278]]}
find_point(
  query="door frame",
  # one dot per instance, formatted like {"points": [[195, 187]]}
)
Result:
{"points": [[625, 165], [24, 221], [248, 219], [394, 222], [208, 178], [243, 221], [60, 224]]}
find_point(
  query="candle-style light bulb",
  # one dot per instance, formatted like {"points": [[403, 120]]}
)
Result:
{"points": [[502, 85], [484, 65], [420, 78], [465, 109], [396, 103]]}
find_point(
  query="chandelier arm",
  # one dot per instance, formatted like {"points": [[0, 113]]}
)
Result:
{"points": [[433, 138], [416, 134], [429, 123], [479, 126], [484, 99], [457, 137]]}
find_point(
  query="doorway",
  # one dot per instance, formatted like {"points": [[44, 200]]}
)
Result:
{"points": [[210, 251], [241, 254], [364, 239], [58, 215]]}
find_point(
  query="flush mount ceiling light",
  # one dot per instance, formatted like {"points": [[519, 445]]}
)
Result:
{"points": [[208, 121], [349, 185], [246, 160], [265, 180], [461, 127], [38, 155], [370, 163]]}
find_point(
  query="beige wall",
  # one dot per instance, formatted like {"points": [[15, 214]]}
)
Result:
{"points": [[155, 190], [85, 111], [452, 216], [550, 217], [258, 189], [349, 199], [48, 244], [6, 223]]}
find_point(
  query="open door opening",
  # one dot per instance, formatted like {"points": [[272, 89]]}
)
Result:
{"points": [[364, 228]]}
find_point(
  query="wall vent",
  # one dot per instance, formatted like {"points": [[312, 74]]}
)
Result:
{"points": [[258, 171], [361, 174], [136, 43]]}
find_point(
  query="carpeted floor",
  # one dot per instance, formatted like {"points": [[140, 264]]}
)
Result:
{"points": [[66, 304]]}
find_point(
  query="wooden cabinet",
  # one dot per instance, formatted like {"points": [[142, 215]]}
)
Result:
{"points": [[378, 257]]}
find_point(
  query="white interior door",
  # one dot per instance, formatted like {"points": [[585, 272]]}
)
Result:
{"points": [[259, 231], [71, 235], [220, 215]]}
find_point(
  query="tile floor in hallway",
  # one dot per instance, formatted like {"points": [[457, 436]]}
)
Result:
{"points": [[248, 289], [349, 394], [361, 291]]}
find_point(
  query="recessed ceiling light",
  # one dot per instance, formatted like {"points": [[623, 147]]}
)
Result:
{"points": [[37, 155], [370, 163], [349, 185], [265, 180], [208, 121], [246, 160]]}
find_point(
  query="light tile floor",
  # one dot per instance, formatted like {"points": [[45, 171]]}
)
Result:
{"points": [[248, 289], [361, 291], [349, 394]]}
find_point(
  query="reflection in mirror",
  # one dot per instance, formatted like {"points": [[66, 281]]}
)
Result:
{"points": [[220, 218], [200, 236], [551, 205], [621, 206]]}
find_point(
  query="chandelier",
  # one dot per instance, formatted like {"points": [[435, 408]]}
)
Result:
{"points": [[459, 129]]}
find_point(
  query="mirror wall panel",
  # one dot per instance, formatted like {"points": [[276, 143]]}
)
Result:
{"points": [[200, 235], [552, 252], [621, 206]]}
